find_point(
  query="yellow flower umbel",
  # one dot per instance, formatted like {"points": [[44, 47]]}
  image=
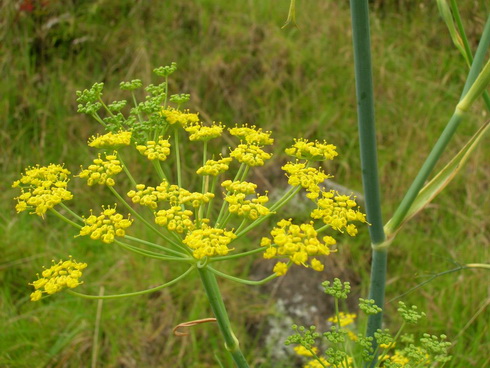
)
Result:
{"points": [[252, 135], [174, 116], [155, 150], [106, 226], [302, 351], [338, 211], [111, 140], [250, 154], [102, 171], [62, 275], [173, 194], [344, 319], [215, 167], [199, 132], [308, 177], [208, 241], [298, 243], [175, 219], [239, 205], [42, 188], [314, 151]]}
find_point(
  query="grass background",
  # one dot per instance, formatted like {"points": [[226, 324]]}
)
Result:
{"points": [[238, 66]]}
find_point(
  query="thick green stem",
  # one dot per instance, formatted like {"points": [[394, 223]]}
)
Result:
{"points": [[216, 301], [367, 138]]}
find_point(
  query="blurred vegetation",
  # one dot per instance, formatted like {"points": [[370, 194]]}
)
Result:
{"points": [[239, 66]]}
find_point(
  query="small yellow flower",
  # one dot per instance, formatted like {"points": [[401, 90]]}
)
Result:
{"points": [[155, 150], [42, 188], [106, 226], [102, 171], [199, 132], [301, 350], [174, 116], [280, 268], [208, 241], [111, 140], [250, 155], [61, 275], [252, 135], [314, 151], [215, 167], [343, 319]]}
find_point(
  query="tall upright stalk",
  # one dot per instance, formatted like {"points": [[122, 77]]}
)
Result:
{"points": [[217, 305], [367, 137]]}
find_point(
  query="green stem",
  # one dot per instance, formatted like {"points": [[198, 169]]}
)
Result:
{"points": [[142, 292], [59, 215], [99, 119], [480, 53], [210, 204], [147, 253], [159, 170], [243, 281], [79, 218], [239, 255], [367, 139], [131, 179], [136, 106], [475, 83], [177, 156], [156, 246], [232, 344]]}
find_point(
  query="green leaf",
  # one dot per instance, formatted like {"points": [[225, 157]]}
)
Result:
{"points": [[443, 178], [446, 14]]}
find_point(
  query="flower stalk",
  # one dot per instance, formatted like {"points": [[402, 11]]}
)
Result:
{"points": [[367, 138], [232, 344]]}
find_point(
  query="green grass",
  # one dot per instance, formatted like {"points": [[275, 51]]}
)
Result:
{"points": [[238, 66]]}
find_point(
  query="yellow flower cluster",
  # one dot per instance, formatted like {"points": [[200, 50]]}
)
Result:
{"points": [[398, 358], [199, 132], [208, 241], [111, 140], [315, 151], [215, 167], [244, 187], [173, 194], [62, 275], [337, 211], [297, 242], [155, 150], [102, 171], [252, 135], [308, 177], [316, 364], [239, 205], [42, 187], [175, 219], [344, 319], [302, 351], [174, 116], [250, 154], [324, 363], [106, 226]]}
